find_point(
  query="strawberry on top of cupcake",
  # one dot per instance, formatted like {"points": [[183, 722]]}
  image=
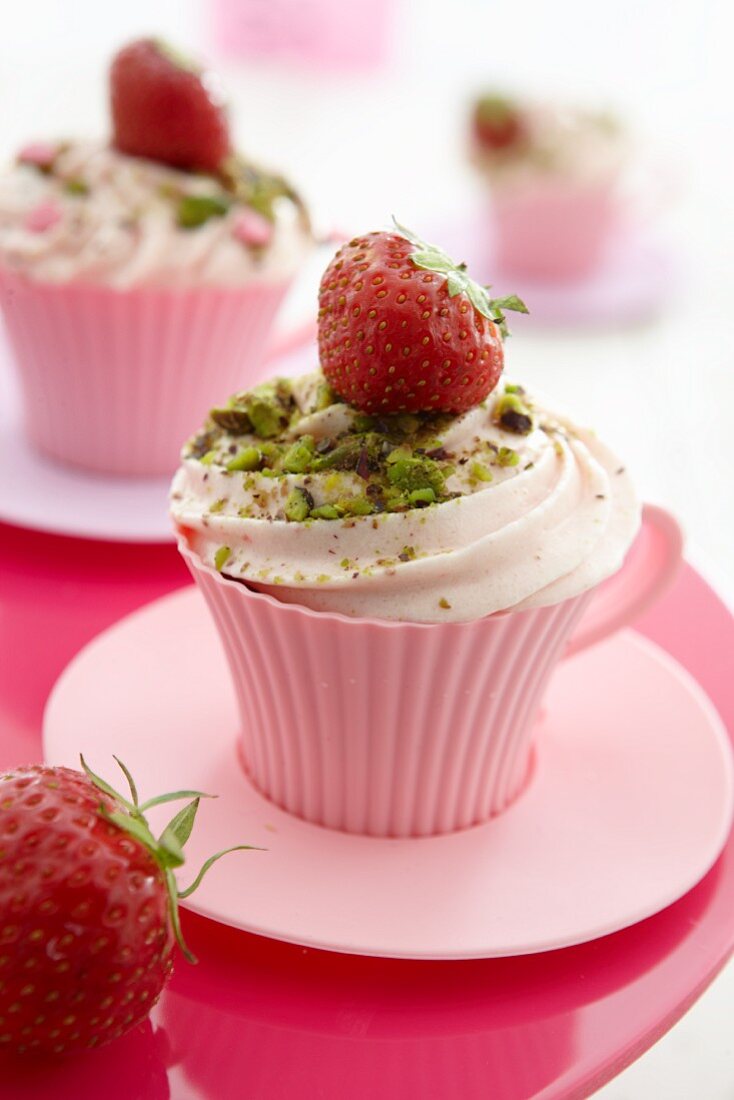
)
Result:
{"points": [[402, 481], [167, 202]]}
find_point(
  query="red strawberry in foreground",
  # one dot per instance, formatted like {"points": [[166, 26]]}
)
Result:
{"points": [[402, 328], [497, 123], [164, 107], [88, 908]]}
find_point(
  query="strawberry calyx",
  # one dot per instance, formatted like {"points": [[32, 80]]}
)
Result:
{"points": [[167, 849], [430, 257]]}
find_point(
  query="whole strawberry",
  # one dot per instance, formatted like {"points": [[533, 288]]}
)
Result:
{"points": [[165, 107], [402, 328], [88, 908], [497, 123]]}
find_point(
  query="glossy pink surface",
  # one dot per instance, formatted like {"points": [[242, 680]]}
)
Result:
{"points": [[269, 1021]]}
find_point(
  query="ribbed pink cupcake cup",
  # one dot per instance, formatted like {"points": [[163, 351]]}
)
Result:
{"points": [[115, 380], [552, 230], [385, 728]]}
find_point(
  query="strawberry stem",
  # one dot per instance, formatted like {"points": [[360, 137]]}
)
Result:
{"points": [[167, 850], [429, 257]]}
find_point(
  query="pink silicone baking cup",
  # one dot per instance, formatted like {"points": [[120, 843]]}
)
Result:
{"points": [[552, 229], [385, 728], [114, 380]]}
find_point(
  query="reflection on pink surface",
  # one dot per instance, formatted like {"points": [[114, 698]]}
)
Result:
{"points": [[271, 1021]]}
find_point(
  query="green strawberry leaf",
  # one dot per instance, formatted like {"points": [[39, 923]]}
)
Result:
{"points": [[430, 258], [407, 233], [182, 824], [510, 301], [130, 780], [211, 861], [134, 826], [104, 786], [174, 796], [167, 850], [170, 852]]}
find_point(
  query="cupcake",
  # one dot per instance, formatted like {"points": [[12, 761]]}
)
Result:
{"points": [[551, 176], [141, 278], [396, 549]]}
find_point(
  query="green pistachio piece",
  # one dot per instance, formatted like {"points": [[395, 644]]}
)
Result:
{"points": [[507, 457], [481, 472], [512, 414], [363, 423], [265, 418], [356, 506], [510, 388], [409, 474], [76, 187], [422, 496], [271, 453], [208, 458], [231, 419], [298, 505], [218, 505], [298, 458], [195, 210], [325, 397], [325, 511], [398, 455], [248, 459], [220, 558]]}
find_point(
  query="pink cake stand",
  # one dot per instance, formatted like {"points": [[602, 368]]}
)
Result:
{"points": [[273, 1021]]}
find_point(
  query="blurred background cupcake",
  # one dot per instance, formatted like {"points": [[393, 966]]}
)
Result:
{"points": [[139, 277], [552, 177]]}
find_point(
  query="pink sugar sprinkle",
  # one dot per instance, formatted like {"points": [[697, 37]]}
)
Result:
{"points": [[42, 217], [252, 228], [40, 153]]}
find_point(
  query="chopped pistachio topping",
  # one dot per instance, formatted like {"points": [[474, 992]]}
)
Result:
{"points": [[298, 505], [303, 463], [325, 511], [257, 188], [247, 459], [481, 472], [444, 604], [220, 558], [195, 210], [263, 411], [76, 187], [507, 457], [512, 414], [297, 459]]}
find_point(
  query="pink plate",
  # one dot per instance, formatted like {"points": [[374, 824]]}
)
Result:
{"points": [[632, 284], [629, 805], [275, 1021]]}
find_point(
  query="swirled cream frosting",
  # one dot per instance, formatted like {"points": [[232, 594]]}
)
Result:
{"points": [[420, 518], [557, 142], [84, 212]]}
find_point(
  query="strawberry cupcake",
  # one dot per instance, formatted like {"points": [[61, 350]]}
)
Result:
{"points": [[552, 177], [139, 278], [396, 549]]}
